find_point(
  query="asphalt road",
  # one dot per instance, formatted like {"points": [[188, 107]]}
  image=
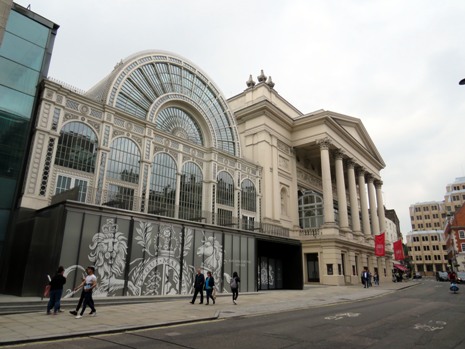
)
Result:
{"points": [[426, 316]]}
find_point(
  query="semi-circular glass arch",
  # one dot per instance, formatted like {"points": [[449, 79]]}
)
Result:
{"points": [[180, 124], [145, 80], [77, 147]]}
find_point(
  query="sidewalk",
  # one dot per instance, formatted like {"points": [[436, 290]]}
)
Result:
{"points": [[29, 327]]}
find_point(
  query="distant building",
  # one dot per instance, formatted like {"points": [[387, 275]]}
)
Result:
{"points": [[455, 240], [391, 234], [455, 195], [428, 251], [427, 216], [392, 216]]}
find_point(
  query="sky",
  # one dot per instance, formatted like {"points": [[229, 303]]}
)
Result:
{"points": [[394, 64]]}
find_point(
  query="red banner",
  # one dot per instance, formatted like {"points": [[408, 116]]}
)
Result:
{"points": [[398, 250], [380, 249]]}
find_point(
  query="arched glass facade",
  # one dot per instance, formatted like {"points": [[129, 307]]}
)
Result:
{"points": [[162, 196], [180, 124], [190, 192], [142, 82], [77, 147], [124, 161], [225, 189], [310, 210], [248, 196]]}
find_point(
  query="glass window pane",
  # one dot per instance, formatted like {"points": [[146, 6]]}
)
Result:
{"points": [[225, 189], [162, 197], [248, 196], [22, 51], [190, 198], [25, 28], [16, 102], [124, 160]]}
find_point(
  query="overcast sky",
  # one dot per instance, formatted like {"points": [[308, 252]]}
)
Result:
{"points": [[393, 64]]}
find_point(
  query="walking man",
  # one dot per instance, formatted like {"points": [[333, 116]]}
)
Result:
{"points": [[199, 282]]}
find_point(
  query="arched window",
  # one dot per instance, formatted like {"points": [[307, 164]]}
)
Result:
{"points": [[284, 202], [180, 124], [225, 189], [248, 196], [310, 210], [162, 197], [124, 161], [77, 147], [190, 192]]}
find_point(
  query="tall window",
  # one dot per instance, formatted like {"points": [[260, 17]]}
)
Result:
{"points": [[162, 197], [65, 183], [190, 192], [248, 196], [225, 189], [124, 161], [120, 197], [77, 147], [310, 210]]}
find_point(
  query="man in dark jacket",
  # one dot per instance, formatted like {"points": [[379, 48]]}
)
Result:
{"points": [[198, 286]]}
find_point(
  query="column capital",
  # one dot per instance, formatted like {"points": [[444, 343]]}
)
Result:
{"points": [[324, 143], [370, 178], [378, 183], [361, 171], [350, 163], [339, 154]]}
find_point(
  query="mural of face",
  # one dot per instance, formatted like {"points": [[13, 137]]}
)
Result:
{"points": [[212, 252]]}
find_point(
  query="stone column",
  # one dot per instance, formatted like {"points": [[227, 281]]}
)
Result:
{"points": [[379, 199], [373, 213], [341, 191], [353, 197], [326, 179], [363, 202]]}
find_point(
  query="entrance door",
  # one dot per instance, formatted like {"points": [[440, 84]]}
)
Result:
{"points": [[313, 270]]}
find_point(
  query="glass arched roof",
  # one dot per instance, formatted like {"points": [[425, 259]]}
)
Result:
{"points": [[179, 123], [138, 85]]}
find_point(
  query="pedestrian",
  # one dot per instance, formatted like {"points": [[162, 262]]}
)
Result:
{"points": [[209, 284], [199, 283], [56, 291], [369, 279], [81, 299], [376, 278], [365, 277], [88, 285], [234, 283]]}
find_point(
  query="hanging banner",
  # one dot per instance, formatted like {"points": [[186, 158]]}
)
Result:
{"points": [[380, 249], [398, 250]]}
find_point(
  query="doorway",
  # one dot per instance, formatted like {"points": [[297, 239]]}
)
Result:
{"points": [[313, 268]]}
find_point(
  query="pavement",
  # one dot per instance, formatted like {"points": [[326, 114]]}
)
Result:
{"points": [[20, 328]]}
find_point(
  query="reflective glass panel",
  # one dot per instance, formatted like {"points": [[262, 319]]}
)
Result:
{"points": [[27, 28], [120, 197], [124, 160], [22, 51], [225, 189], [248, 196], [162, 197], [190, 192], [16, 102], [77, 147]]}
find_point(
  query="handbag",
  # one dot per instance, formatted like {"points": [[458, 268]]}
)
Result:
{"points": [[47, 291], [214, 293]]}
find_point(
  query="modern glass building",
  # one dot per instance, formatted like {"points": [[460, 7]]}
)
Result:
{"points": [[25, 53]]}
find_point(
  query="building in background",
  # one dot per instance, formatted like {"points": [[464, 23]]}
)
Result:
{"points": [[428, 216], [455, 240], [455, 196], [25, 51], [153, 172], [428, 251]]}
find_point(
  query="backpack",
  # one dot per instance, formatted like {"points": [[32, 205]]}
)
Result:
{"points": [[233, 282]]}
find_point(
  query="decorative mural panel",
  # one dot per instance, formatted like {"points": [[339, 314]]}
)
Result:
{"points": [[135, 257]]}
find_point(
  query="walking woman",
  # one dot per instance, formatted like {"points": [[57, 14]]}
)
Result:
{"points": [[234, 283], [56, 290], [209, 284]]}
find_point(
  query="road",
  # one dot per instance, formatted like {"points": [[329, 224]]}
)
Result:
{"points": [[426, 316]]}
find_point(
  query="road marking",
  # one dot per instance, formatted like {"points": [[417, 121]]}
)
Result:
{"points": [[431, 326], [341, 316]]}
